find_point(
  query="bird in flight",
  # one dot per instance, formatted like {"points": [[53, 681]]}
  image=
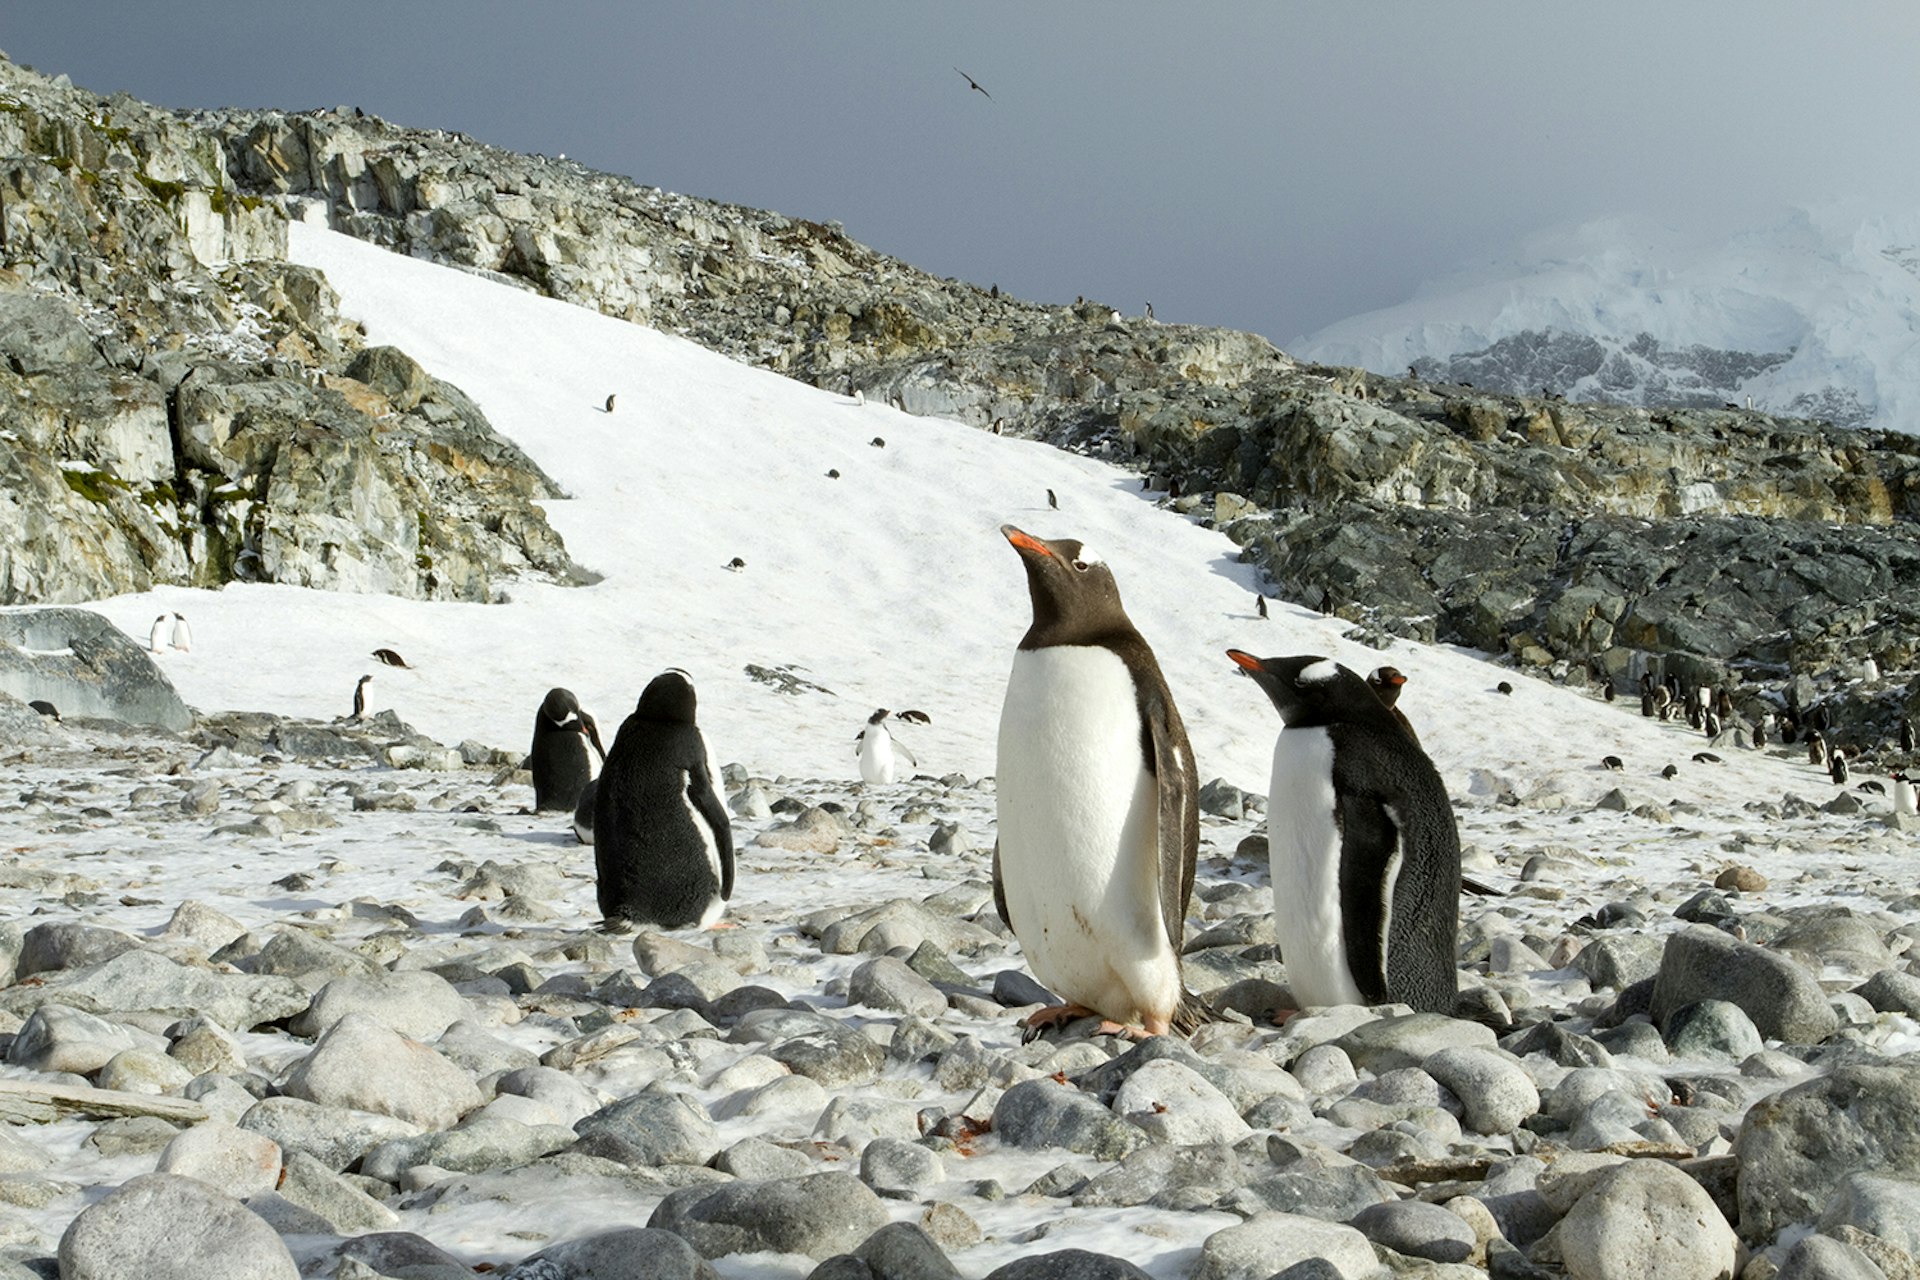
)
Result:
{"points": [[974, 84]]}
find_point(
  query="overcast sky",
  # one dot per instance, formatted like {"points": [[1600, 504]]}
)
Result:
{"points": [[1267, 166]]}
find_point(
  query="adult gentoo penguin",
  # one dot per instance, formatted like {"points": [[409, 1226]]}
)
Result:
{"points": [[161, 633], [360, 698], [1365, 855], [182, 637], [559, 757], [662, 846], [876, 747], [1096, 793]]}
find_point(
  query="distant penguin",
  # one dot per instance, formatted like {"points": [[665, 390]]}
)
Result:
{"points": [[1504, 688], [1837, 767], [1869, 671], [1260, 605], [583, 811], [1816, 748], [182, 638], [1710, 723], [859, 397], [1097, 801], [1149, 308], [1670, 772], [1052, 502], [662, 845], [610, 402], [1608, 692], [391, 658], [1759, 735], [559, 756], [1646, 703], [1365, 855], [1906, 733], [1386, 683], [912, 716], [736, 564], [46, 709], [999, 425], [833, 473], [1612, 762], [1705, 757], [1694, 716], [877, 443], [1723, 704], [1903, 794], [162, 632], [360, 698], [876, 747]]}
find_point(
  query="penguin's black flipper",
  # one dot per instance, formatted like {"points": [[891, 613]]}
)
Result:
{"points": [[701, 795], [1177, 785], [999, 889]]}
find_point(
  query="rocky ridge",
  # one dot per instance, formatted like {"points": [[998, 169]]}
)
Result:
{"points": [[178, 404], [1585, 541]]}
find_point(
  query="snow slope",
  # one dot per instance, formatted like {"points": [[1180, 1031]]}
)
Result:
{"points": [[1837, 287], [889, 586]]}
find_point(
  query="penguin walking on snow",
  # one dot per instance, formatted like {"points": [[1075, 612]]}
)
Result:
{"points": [[559, 757], [1365, 854], [1903, 795], [182, 637], [161, 633], [876, 748], [1097, 790], [662, 845], [1386, 683]]}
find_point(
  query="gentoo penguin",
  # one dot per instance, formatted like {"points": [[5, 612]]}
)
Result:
{"points": [[1904, 800], [859, 397], [1816, 748], [875, 747], [736, 564], [1096, 791], [182, 638], [1614, 763], [1906, 733], [1260, 605], [877, 442], [583, 812], [1710, 723], [1670, 772], [1723, 704], [1837, 767], [1386, 683], [1608, 692], [161, 633], [1053, 503], [610, 402], [1364, 851], [662, 845], [559, 757], [1504, 688], [1705, 757], [1149, 308], [360, 698], [46, 709], [1759, 734], [391, 658], [913, 717]]}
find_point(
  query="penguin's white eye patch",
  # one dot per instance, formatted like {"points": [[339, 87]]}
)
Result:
{"points": [[1318, 673], [1087, 558]]}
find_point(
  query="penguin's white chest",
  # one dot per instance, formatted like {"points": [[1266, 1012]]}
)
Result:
{"points": [[1303, 850], [876, 754], [1903, 797], [1079, 834]]}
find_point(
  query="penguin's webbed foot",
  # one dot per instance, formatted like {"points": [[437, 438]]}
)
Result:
{"points": [[1037, 1022]]}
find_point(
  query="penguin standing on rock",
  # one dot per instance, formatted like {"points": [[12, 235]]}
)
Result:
{"points": [[360, 698], [559, 757], [1903, 795], [1097, 798], [662, 844], [876, 747], [1837, 767], [1906, 733], [1365, 854]]}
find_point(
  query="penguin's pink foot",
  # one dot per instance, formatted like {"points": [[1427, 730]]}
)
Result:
{"points": [[1056, 1015]]}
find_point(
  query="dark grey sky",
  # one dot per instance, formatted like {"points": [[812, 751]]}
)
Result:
{"points": [[1267, 166]]}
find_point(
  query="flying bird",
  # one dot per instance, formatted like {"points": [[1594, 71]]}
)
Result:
{"points": [[974, 84]]}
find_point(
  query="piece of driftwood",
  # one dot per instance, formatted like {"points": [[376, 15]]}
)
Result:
{"points": [[31, 1102]]}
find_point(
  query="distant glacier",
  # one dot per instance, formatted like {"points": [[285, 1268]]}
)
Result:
{"points": [[1816, 314]]}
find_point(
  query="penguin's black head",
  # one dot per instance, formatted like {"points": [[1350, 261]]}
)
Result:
{"points": [[559, 706], [364, 679], [878, 716], [1310, 690], [1385, 683], [1075, 599], [668, 697]]}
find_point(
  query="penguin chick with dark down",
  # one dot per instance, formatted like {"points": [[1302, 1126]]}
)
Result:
{"points": [[662, 844], [558, 761], [1096, 791], [1361, 836]]}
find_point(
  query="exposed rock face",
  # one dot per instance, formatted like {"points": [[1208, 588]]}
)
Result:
{"points": [[178, 404], [85, 666]]}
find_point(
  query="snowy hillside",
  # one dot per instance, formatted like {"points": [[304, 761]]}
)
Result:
{"points": [[1816, 314], [888, 586]]}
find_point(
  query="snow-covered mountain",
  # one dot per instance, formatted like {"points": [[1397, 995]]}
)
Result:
{"points": [[1816, 314]]}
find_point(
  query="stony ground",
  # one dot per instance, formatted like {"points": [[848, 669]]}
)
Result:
{"points": [[325, 1015]]}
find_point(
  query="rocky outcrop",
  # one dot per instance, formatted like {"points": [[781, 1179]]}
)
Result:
{"points": [[178, 404], [86, 667]]}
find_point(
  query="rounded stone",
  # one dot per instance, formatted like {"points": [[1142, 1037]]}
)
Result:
{"points": [[161, 1226], [1646, 1218], [1493, 1088]]}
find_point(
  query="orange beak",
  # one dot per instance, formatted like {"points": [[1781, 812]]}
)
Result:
{"points": [[1025, 541], [1396, 680], [1246, 660]]}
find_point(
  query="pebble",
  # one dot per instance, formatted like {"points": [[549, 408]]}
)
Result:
{"points": [[363, 1065], [234, 1160]]}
